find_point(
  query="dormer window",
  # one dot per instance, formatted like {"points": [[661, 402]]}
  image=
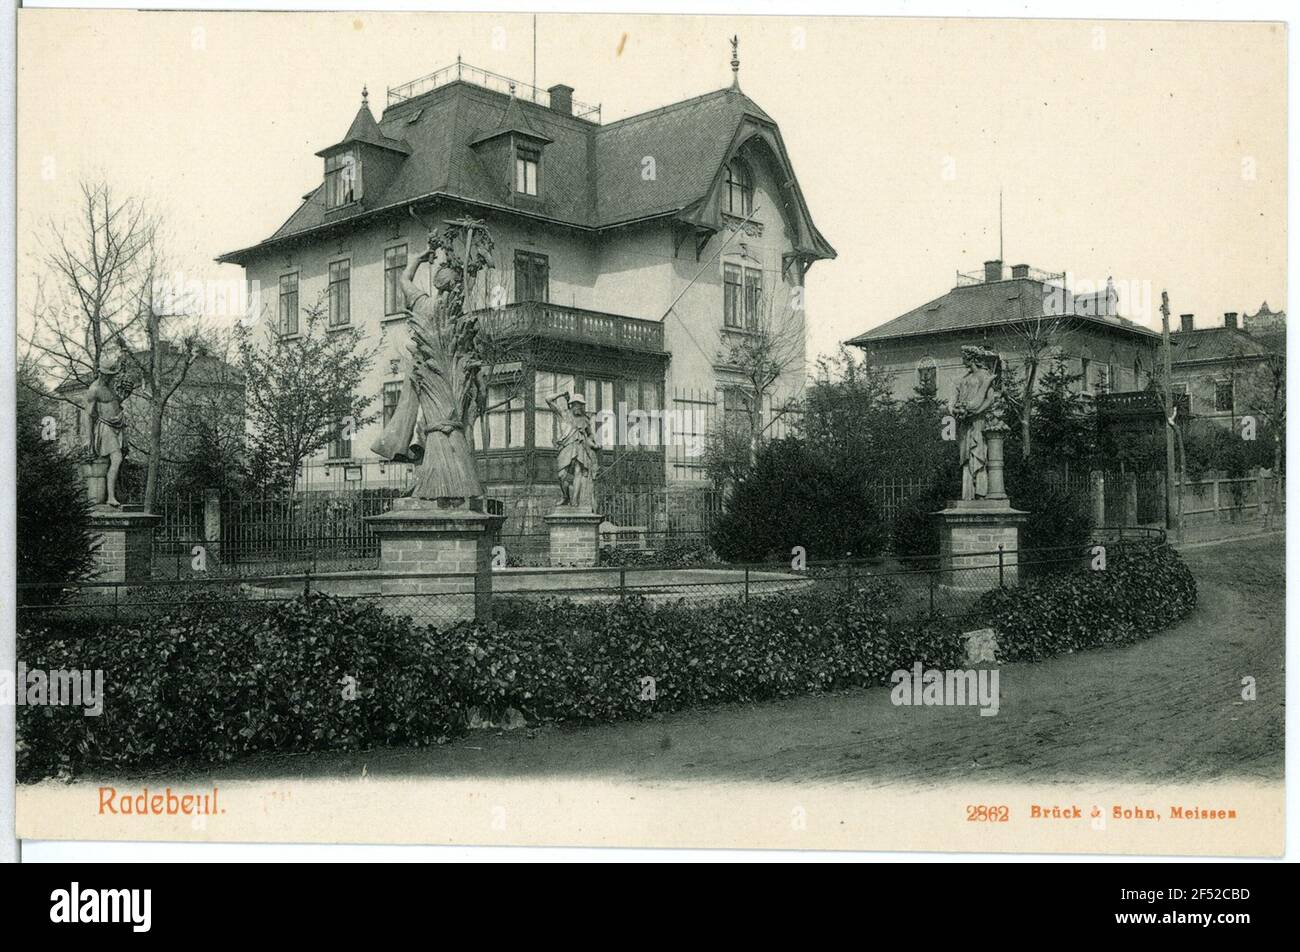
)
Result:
{"points": [[342, 184], [740, 189], [527, 160]]}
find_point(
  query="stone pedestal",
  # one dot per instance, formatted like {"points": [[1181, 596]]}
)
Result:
{"points": [[125, 552], [575, 537], [970, 533], [422, 543]]}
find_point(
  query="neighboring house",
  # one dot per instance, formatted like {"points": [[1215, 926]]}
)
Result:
{"points": [[627, 255], [213, 390], [1221, 373], [1266, 325], [923, 347]]}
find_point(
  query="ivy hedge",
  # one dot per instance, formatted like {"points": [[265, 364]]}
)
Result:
{"points": [[1143, 588], [216, 681], [207, 684]]}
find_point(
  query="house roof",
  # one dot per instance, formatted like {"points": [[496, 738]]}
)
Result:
{"points": [[512, 121], [983, 305], [365, 129], [1264, 311], [1214, 344], [594, 174]]}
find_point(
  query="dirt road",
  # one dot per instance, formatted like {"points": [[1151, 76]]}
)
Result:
{"points": [[1168, 709]]}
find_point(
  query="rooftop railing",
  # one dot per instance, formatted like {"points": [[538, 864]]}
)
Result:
{"points": [[462, 72]]}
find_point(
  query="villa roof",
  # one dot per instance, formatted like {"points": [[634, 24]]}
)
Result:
{"points": [[594, 173], [983, 305]]}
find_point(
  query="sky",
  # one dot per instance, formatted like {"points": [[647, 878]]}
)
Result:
{"points": [[1150, 153]]}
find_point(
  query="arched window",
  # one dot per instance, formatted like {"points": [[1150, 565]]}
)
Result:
{"points": [[740, 188]]}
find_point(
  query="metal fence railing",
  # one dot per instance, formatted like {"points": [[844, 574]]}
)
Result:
{"points": [[904, 589]]}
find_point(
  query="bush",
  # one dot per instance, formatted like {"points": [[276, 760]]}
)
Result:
{"points": [[216, 680], [793, 497], [54, 539], [200, 686], [1144, 588], [915, 531], [1057, 518]]}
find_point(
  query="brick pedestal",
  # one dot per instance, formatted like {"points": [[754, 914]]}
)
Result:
{"points": [[421, 540], [970, 532], [575, 537], [125, 552]]}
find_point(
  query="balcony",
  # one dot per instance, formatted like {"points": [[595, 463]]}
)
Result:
{"points": [[555, 322]]}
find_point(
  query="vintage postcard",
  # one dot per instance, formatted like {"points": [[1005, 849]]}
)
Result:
{"points": [[782, 432]]}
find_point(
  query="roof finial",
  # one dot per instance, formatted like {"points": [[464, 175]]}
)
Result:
{"points": [[735, 62], [365, 95]]}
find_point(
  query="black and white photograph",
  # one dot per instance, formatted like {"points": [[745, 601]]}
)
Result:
{"points": [[784, 432]]}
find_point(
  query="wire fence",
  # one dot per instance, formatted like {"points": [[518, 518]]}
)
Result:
{"points": [[905, 589]]}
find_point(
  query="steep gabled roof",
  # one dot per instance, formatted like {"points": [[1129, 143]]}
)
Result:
{"points": [[593, 174], [981, 306], [688, 141], [513, 122], [365, 129]]}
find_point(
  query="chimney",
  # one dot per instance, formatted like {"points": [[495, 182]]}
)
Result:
{"points": [[1020, 271], [1185, 320], [992, 271], [1230, 319], [561, 98]]}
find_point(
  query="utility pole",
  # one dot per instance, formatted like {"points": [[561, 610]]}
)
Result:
{"points": [[1172, 516]]}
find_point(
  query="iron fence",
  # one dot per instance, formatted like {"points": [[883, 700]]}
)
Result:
{"points": [[904, 589]]}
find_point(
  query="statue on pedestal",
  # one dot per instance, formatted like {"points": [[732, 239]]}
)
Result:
{"points": [[442, 390], [103, 405], [975, 407], [576, 460]]}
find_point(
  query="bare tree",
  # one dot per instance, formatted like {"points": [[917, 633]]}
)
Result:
{"points": [[86, 291], [161, 366], [302, 390], [205, 435], [761, 358], [1040, 337], [100, 288]]}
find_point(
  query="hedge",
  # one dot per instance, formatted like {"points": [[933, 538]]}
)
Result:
{"points": [[216, 681], [207, 685], [1143, 588]]}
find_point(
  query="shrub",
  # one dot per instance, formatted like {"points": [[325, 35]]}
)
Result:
{"points": [[1058, 519], [218, 679], [915, 531], [793, 497], [1143, 589], [55, 542], [200, 686]]}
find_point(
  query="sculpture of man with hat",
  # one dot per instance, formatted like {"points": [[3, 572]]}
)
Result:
{"points": [[575, 462], [107, 422]]}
